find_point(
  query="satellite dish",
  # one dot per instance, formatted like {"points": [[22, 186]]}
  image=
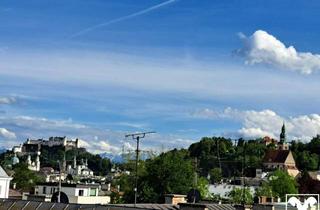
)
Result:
{"points": [[193, 196], [63, 198]]}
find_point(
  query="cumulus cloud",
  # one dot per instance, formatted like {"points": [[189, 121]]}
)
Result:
{"points": [[7, 134], [262, 47], [99, 147], [255, 124], [8, 100]]}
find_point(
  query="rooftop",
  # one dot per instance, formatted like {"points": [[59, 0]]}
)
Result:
{"points": [[276, 156], [21, 204]]}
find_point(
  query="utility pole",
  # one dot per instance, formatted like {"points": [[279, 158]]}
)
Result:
{"points": [[218, 151], [195, 179], [59, 192], [137, 137], [243, 171]]}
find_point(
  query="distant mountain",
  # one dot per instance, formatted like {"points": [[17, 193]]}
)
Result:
{"points": [[120, 158], [115, 158]]}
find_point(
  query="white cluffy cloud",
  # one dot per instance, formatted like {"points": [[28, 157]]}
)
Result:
{"points": [[262, 47], [7, 134], [99, 147], [255, 124]]}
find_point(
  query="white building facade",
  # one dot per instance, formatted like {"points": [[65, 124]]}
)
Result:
{"points": [[4, 183], [76, 193]]}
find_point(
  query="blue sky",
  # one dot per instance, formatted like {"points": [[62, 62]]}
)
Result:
{"points": [[186, 69]]}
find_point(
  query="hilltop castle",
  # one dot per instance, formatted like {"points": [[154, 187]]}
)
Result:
{"points": [[32, 148]]}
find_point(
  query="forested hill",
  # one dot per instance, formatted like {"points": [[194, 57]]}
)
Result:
{"points": [[216, 152], [51, 156], [99, 165]]}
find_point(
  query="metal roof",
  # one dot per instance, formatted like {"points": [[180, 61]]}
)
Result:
{"points": [[8, 204], [220, 207], [39, 205]]}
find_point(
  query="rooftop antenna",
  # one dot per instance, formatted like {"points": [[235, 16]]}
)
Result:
{"points": [[137, 137], [218, 150]]}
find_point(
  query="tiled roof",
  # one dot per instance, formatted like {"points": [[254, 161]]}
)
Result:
{"points": [[276, 156]]}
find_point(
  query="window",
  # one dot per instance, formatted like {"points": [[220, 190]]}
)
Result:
{"points": [[93, 191], [80, 192], [44, 190]]}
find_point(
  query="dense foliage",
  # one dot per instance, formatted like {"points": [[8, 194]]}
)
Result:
{"points": [[241, 196], [218, 152], [279, 184], [170, 172], [51, 156], [24, 178], [307, 154]]}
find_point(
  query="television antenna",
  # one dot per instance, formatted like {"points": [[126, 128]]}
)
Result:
{"points": [[137, 137]]}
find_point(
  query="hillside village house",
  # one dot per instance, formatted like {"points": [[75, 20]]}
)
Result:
{"points": [[76, 193], [4, 183]]}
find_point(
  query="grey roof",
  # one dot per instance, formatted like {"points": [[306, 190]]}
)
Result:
{"points": [[31, 205], [154, 206], [3, 174], [220, 207], [39, 205]]}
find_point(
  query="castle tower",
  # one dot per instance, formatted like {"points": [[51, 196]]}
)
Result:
{"points": [[74, 162], [64, 163], [29, 160], [64, 141], [37, 162]]}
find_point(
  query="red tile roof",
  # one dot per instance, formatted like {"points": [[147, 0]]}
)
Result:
{"points": [[276, 156]]}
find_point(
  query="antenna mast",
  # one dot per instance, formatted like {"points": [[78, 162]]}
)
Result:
{"points": [[137, 137]]}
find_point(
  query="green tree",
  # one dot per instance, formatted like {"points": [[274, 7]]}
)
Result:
{"points": [[307, 161], [25, 178], [282, 183], [203, 187], [240, 196], [264, 190], [215, 175], [170, 172], [314, 145]]}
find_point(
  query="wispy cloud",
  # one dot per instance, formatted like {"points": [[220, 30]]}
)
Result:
{"points": [[262, 47], [5, 133], [142, 12], [8, 100]]}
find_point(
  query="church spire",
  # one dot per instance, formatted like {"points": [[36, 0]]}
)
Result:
{"points": [[283, 134]]}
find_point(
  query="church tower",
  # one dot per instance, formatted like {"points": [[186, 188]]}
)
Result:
{"points": [[282, 144], [283, 134]]}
